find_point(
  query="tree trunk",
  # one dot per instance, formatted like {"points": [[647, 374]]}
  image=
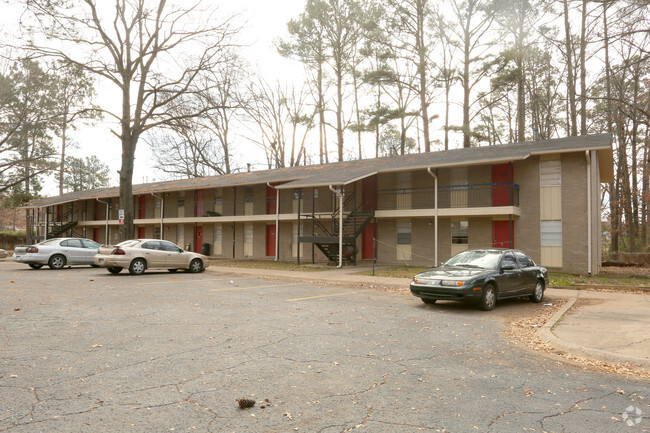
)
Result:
{"points": [[466, 91], [339, 111], [62, 168], [613, 208], [583, 71], [422, 71], [571, 85]]}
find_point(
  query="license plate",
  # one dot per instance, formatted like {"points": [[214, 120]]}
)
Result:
{"points": [[101, 261]]}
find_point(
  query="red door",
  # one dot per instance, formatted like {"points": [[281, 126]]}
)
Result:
{"points": [[96, 234], [141, 233], [270, 240], [501, 180], [198, 239], [366, 242], [199, 203], [142, 206], [501, 234], [271, 199], [369, 193]]}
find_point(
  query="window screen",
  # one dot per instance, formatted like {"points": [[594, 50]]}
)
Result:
{"points": [[404, 233], [459, 232], [551, 233], [550, 173]]}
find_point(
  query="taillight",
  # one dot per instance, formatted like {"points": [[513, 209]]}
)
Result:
{"points": [[118, 252], [32, 250]]}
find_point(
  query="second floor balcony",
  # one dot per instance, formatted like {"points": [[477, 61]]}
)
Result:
{"points": [[453, 196]]}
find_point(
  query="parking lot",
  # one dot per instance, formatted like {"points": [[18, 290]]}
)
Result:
{"points": [[83, 350]]}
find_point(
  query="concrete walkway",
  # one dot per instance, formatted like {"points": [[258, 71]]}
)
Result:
{"points": [[606, 326]]}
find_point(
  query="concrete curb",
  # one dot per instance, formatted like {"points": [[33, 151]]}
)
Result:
{"points": [[546, 334]]}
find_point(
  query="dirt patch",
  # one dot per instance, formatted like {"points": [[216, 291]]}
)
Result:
{"points": [[523, 332]]}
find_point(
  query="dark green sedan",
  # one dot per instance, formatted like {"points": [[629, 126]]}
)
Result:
{"points": [[482, 276]]}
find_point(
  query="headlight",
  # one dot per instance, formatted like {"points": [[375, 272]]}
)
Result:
{"points": [[454, 283]]}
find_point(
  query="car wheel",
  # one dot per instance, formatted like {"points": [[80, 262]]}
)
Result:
{"points": [[173, 270], [196, 265], [538, 294], [429, 301], [137, 267], [115, 270], [57, 261], [489, 298], [33, 266]]}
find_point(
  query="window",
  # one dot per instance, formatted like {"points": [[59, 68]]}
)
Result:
{"points": [[524, 260], [181, 200], [551, 233], [404, 233], [168, 246], [90, 244], [249, 197], [180, 235], [74, 243], [509, 260], [156, 232], [550, 173], [460, 232], [248, 240], [151, 245]]}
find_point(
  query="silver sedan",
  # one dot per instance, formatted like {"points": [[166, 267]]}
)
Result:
{"points": [[138, 255], [57, 253]]}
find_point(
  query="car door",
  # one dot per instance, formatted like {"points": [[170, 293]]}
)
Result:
{"points": [[153, 253], [528, 275], [510, 279], [174, 256], [73, 250], [90, 249]]}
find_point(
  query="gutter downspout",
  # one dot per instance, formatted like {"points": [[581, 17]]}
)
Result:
{"points": [[162, 214], [277, 221], [435, 229], [106, 203], [589, 240], [340, 196]]}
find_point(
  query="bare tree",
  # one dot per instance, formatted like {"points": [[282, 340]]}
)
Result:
{"points": [[151, 53], [281, 120]]}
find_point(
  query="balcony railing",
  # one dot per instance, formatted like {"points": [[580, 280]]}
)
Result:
{"points": [[453, 196]]}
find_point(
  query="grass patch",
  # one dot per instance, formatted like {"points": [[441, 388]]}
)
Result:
{"points": [[604, 279], [269, 264], [396, 271]]}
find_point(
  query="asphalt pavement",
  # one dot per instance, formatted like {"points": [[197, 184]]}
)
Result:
{"points": [[609, 326]]}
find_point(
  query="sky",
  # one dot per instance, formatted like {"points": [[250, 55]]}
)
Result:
{"points": [[264, 22]]}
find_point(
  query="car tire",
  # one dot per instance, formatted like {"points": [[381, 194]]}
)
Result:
{"points": [[196, 266], [33, 266], [115, 270], [173, 271], [137, 267], [429, 301], [538, 293], [57, 261], [489, 297]]}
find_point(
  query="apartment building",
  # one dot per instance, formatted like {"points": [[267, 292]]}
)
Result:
{"points": [[542, 197]]}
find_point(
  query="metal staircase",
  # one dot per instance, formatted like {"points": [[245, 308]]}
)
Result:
{"points": [[327, 232], [65, 225]]}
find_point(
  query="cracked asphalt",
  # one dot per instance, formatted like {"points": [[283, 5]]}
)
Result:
{"points": [[85, 351]]}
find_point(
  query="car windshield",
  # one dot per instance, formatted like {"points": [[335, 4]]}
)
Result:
{"points": [[475, 259]]}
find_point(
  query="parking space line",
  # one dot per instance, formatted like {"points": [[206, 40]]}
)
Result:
{"points": [[176, 280], [251, 287], [327, 296]]}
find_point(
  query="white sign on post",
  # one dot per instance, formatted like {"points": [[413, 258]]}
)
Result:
{"points": [[120, 215]]}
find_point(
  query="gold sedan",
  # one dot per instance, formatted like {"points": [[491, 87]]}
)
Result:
{"points": [[138, 255]]}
